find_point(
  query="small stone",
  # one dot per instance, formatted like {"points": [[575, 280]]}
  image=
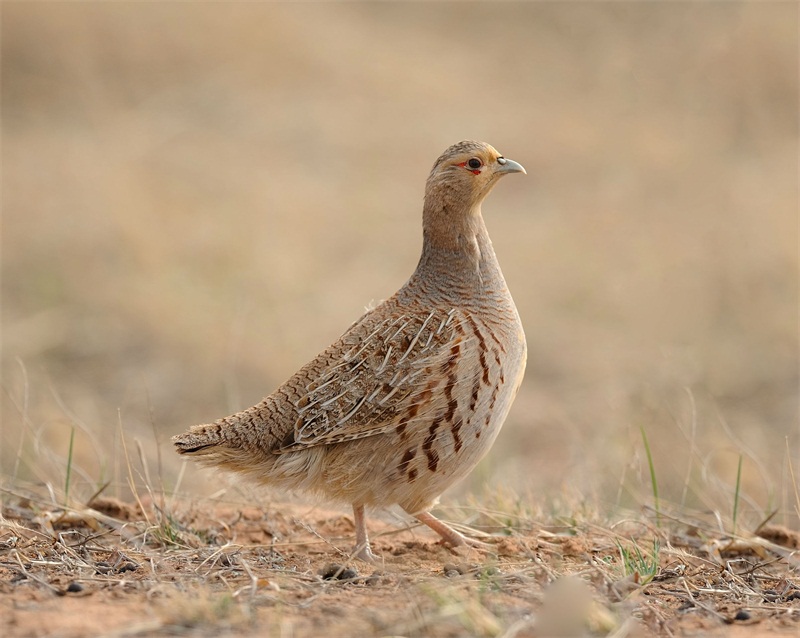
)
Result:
{"points": [[334, 571], [450, 570], [742, 614], [74, 588], [127, 567]]}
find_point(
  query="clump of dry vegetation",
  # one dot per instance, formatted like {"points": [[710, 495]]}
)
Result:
{"points": [[162, 563]]}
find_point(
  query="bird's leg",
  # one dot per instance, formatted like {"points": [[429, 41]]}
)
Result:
{"points": [[450, 536], [362, 549]]}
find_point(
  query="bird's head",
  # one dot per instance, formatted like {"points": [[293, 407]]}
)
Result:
{"points": [[464, 174]]}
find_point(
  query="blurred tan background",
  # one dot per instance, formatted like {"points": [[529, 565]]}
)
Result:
{"points": [[197, 198]]}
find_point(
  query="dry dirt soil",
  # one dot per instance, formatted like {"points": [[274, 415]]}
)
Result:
{"points": [[208, 568]]}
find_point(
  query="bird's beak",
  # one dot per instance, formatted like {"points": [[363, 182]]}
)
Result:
{"points": [[509, 166]]}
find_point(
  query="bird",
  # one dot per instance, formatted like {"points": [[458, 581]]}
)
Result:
{"points": [[408, 400]]}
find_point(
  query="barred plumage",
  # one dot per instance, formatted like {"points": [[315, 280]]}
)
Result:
{"points": [[413, 394]]}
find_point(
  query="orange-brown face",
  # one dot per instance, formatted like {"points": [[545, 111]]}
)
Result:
{"points": [[478, 161], [473, 168]]}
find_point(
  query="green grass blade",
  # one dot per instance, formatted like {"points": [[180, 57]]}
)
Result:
{"points": [[69, 467], [736, 493], [653, 480]]}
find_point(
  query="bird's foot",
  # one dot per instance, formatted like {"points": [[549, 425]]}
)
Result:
{"points": [[364, 552], [475, 543], [469, 553], [451, 537]]}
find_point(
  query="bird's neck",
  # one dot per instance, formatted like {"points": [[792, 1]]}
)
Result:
{"points": [[457, 255], [447, 227]]}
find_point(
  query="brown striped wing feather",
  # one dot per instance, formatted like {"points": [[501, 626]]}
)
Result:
{"points": [[383, 372]]}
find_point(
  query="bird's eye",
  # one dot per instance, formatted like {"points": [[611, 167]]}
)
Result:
{"points": [[474, 163]]}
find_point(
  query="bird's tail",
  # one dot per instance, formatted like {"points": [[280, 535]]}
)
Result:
{"points": [[200, 440]]}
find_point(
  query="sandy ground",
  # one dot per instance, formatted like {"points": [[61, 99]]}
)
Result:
{"points": [[283, 570]]}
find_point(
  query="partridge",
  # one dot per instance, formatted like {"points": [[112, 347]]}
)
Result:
{"points": [[410, 398]]}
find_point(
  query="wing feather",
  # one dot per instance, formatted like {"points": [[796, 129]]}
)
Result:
{"points": [[384, 371]]}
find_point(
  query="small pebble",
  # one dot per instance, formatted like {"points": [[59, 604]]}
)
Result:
{"points": [[450, 570], [334, 571], [742, 615], [127, 567], [74, 588]]}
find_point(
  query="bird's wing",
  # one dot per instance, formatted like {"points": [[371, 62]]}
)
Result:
{"points": [[388, 369]]}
